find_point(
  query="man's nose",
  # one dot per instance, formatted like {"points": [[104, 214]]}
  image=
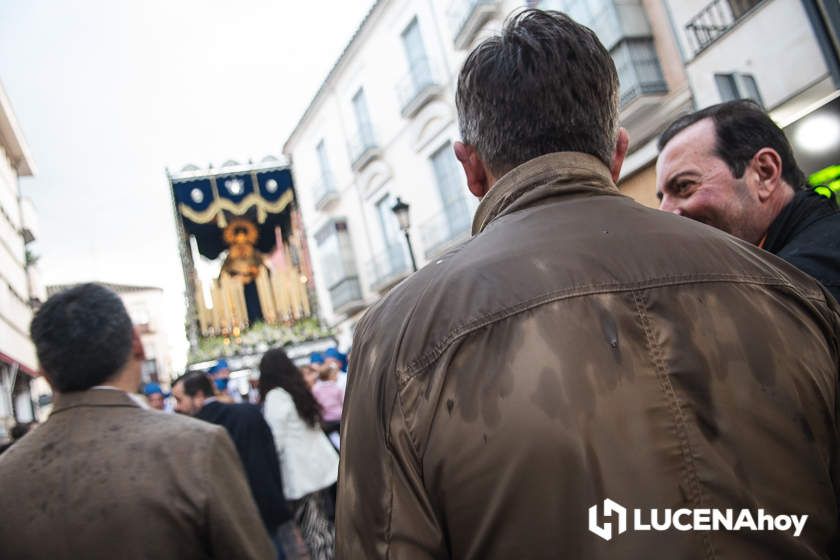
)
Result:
{"points": [[668, 204]]}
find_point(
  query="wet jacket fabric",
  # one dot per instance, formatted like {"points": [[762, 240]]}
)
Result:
{"points": [[582, 347], [806, 233], [103, 478]]}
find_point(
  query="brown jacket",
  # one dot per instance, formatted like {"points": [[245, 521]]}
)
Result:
{"points": [[582, 347], [105, 479]]}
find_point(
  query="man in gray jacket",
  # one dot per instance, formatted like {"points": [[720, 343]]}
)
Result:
{"points": [[585, 377], [104, 477]]}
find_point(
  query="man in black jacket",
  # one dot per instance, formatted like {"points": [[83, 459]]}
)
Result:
{"points": [[731, 167], [254, 442]]}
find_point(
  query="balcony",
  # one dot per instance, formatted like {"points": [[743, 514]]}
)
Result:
{"points": [[638, 70], [324, 193], [363, 149], [446, 230], [28, 220], [417, 88], [388, 268], [466, 17], [346, 295], [714, 20]]}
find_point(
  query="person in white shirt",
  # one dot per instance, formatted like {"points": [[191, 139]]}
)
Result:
{"points": [[308, 462]]}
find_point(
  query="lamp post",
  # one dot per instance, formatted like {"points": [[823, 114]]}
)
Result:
{"points": [[400, 210]]}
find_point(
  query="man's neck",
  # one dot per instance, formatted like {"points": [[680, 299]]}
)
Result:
{"points": [[125, 380]]}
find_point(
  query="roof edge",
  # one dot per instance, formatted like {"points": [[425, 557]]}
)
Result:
{"points": [[342, 58], [12, 138]]}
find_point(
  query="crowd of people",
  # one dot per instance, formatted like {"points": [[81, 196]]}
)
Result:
{"points": [[579, 348]]}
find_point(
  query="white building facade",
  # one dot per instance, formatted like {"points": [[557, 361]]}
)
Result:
{"points": [[763, 49], [383, 123], [20, 287]]}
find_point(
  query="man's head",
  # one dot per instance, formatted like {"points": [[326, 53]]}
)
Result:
{"points": [[729, 166], [155, 396], [220, 373], [190, 391], [545, 84], [84, 337]]}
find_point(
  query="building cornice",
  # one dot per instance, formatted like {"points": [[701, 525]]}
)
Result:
{"points": [[12, 140], [343, 59]]}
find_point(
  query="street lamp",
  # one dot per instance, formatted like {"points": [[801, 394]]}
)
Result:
{"points": [[400, 210]]}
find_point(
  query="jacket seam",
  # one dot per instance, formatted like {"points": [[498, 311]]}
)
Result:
{"points": [[686, 450], [419, 364], [390, 505]]}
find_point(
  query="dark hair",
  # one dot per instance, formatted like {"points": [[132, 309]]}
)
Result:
{"points": [[82, 336], [545, 84], [742, 128], [195, 381], [19, 430], [277, 370]]}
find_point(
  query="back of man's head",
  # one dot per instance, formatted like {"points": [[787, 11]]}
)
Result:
{"points": [[742, 128], [82, 337], [545, 84], [195, 382]]}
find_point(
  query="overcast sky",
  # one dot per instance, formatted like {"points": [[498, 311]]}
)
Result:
{"points": [[110, 93]]}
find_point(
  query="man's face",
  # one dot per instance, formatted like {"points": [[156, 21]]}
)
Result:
{"points": [[156, 401], [185, 404], [692, 181]]}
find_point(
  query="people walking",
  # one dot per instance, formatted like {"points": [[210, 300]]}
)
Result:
{"points": [[308, 462]]}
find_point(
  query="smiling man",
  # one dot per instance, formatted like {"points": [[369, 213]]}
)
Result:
{"points": [[731, 167]]}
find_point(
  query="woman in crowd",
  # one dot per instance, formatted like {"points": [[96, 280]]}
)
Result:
{"points": [[308, 462]]}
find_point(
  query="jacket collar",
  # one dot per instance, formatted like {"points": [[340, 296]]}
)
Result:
{"points": [[804, 209], [92, 397], [545, 176]]}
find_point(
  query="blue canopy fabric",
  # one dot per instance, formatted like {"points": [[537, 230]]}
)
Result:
{"points": [[206, 204]]}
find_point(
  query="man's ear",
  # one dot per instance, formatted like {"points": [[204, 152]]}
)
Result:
{"points": [[622, 143], [137, 351], [766, 170], [473, 169]]}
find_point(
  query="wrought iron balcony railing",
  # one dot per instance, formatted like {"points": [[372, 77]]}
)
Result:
{"points": [[324, 193], [363, 148], [388, 267], [446, 229], [417, 87], [466, 17], [346, 294], [714, 20]]}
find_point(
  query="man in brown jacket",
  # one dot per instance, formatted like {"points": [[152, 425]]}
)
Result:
{"points": [[104, 477], [586, 377]]}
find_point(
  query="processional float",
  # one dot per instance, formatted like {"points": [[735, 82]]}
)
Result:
{"points": [[247, 216]]}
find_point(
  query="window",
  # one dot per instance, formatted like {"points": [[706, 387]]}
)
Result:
{"points": [[738, 86], [324, 166], [338, 264], [638, 69], [387, 221], [413, 43], [336, 252], [450, 187], [446, 174], [360, 110]]}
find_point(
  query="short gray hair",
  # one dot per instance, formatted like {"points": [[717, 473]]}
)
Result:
{"points": [[545, 84]]}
